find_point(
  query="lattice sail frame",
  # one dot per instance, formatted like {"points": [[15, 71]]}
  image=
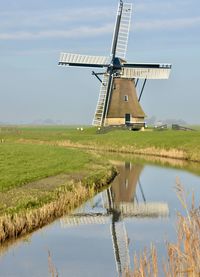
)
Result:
{"points": [[83, 60], [98, 116], [123, 35], [162, 72]]}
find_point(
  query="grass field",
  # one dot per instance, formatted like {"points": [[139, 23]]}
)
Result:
{"points": [[170, 143], [21, 163], [24, 163]]}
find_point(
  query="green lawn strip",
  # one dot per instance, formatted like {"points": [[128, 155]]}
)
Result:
{"points": [[187, 141], [38, 193], [22, 163], [29, 207], [121, 141], [33, 175]]}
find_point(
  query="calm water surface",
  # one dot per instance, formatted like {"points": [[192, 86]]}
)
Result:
{"points": [[101, 237]]}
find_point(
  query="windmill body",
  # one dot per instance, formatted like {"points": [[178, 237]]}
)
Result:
{"points": [[118, 102], [124, 107]]}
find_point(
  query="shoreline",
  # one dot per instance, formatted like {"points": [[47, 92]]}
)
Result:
{"points": [[13, 226], [172, 153]]}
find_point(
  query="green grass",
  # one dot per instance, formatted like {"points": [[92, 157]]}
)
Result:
{"points": [[21, 163], [30, 153], [41, 182], [186, 141], [33, 175]]}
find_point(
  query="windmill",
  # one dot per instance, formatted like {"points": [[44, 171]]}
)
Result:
{"points": [[118, 102]]}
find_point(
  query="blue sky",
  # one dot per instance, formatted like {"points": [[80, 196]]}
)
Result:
{"points": [[32, 34]]}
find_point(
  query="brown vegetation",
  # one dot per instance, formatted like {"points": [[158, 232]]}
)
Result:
{"points": [[183, 256], [68, 198], [52, 269], [150, 151]]}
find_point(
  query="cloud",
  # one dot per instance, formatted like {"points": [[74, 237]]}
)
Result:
{"points": [[55, 17], [86, 31], [166, 7], [87, 22], [60, 23], [94, 31], [169, 24], [154, 6]]}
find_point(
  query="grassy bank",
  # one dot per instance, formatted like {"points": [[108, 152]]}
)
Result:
{"points": [[64, 199], [192, 167], [21, 164], [170, 143], [40, 182]]}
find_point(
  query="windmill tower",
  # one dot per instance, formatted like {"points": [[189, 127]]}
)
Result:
{"points": [[118, 102]]}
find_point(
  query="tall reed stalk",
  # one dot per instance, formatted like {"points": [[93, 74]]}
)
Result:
{"points": [[183, 257]]}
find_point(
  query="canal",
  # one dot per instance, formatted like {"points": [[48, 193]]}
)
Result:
{"points": [[101, 237]]}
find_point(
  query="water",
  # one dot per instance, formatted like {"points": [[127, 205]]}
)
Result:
{"points": [[102, 236]]}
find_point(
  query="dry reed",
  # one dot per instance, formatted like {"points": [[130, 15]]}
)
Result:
{"points": [[52, 269], [12, 226], [15, 225], [148, 151], [183, 257]]}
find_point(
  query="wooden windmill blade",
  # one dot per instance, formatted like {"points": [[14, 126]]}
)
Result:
{"points": [[78, 60], [102, 100], [145, 71], [121, 31]]}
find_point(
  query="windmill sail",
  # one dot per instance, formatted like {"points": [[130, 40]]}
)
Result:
{"points": [[83, 60], [121, 32], [120, 247], [103, 98], [146, 71]]}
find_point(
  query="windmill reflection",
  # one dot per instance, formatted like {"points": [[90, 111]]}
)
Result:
{"points": [[119, 201], [126, 197], [123, 188]]}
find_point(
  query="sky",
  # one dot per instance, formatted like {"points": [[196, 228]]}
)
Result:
{"points": [[33, 33]]}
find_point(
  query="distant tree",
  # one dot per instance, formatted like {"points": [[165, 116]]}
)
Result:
{"points": [[151, 120]]}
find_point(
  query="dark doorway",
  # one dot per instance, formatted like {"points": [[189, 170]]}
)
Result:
{"points": [[127, 118]]}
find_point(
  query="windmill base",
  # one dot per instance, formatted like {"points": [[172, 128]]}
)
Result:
{"points": [[134, 124], [128, 127], [122, 121]]}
